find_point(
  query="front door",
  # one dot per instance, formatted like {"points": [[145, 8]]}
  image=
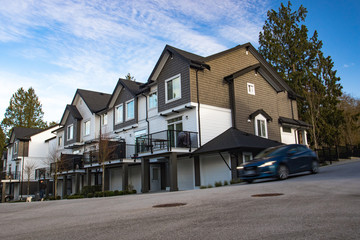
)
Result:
{"points": [[155, 178]]}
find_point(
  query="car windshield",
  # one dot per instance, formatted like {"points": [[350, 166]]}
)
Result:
{"points": [[269, 152]]}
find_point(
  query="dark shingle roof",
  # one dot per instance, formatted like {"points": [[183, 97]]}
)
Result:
{"points": [[234, 139], [23, 133], [295, 122], [96, 101], [132, 86], [74, 111]]}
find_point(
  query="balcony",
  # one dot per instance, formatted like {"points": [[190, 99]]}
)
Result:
{"points": [[68, 162], [10, 175], [116, 152], [167, 141], [42, 173]]}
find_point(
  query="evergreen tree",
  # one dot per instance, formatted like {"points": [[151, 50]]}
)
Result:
{"points": [[284, 43], [24, 110], [350, 130], [129, 77], [2, 146]]}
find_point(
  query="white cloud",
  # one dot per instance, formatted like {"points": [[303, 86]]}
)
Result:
{"points": [[90, 44]]}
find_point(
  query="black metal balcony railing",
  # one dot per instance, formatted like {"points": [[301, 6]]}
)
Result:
{"points": [[11, 175], [166, 140], [42, 173], [114, 151], [67, 162]]}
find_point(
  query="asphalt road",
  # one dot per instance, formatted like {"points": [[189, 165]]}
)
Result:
{"points": [[321, 206]]}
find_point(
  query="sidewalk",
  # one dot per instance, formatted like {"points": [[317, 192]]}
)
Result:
{"points": [[341, 162]]}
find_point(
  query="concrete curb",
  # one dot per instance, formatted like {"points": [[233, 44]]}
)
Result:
{"points": [[341, 162]]}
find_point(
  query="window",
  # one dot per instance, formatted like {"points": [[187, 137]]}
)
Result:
{"points": [[119, 114], [286, 129], [130, 110], [152, 100], [70, 132], [16, 146], [261, 126], [247, 157], [87, 128], [251, 88], [173, 88], [60, 141], [104, 119]]}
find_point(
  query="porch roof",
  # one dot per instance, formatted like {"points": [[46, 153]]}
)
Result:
{"points": [[234, 139]]}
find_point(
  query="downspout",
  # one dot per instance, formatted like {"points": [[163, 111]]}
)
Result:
{"points": [[232, 102], [198, 102]]}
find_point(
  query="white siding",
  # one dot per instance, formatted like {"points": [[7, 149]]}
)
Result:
{"points": [[214, 169], [214, 121], [287, 138]]}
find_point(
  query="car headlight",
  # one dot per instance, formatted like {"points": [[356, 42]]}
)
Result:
{"points": [[240, 167], [267, 164]]}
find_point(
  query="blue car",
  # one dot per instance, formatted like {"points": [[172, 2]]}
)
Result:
{"points": [[279, 162]]}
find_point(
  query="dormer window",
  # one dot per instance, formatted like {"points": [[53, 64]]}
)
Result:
{"points": [[70, 132], [119, 114], [87, 128], [173, 88], [153, 100], [130, 111], [16, 146], [251, 88], [104, 119]]}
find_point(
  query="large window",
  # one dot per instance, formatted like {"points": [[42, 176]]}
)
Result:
{"points": [[104, 119], [16, 146], [173, 88], [261, 126], [153, 100], [70, 132], [87, 128], [130, 110], [119, 114], [60, 141]]}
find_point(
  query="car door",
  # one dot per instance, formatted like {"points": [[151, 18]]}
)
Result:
{"points": [[293, 160]]}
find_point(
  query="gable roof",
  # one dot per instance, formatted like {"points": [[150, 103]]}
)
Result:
{"points": [[234, 139], [70, 109], [23, 133], [96, 101], [290, 121], [132, 86]]}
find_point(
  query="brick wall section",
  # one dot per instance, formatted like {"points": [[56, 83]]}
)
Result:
{"points": [[212, 88], [172, 68], [123, 97], [266, 98]]}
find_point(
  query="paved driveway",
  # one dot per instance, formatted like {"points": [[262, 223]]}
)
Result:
{"points": [[322, 206]]}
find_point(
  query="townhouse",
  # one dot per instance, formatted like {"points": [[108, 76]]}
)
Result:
{"points": [[193, 121], [26, 166]]}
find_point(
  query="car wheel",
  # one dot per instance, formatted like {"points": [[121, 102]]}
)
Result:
{"points": [[249, 180], [314, 167], [283, 172]]}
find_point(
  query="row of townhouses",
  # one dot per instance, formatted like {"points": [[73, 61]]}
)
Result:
{"points": [[191, 124]]}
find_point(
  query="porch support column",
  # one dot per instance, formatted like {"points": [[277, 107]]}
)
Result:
{"points": [[107, 179], [77, 183], [88, 177], [125, 176], [197, 171], [234, 158], [3, 192], [64, 186], [173, 172], [145, 175]]}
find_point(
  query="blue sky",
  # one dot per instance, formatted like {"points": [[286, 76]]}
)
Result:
{"points": [[57, 46]]}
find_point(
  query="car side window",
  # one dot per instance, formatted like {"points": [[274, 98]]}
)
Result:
{"points": [[292, 151]]}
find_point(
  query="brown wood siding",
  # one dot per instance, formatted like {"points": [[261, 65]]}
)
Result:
{"points": [[212, 88], [23, 149], [173, 67], [266, 98], [123, 97]]}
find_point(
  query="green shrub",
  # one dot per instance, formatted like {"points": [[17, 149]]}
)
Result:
{"points": [[218, 184], [109, 193], [133, 191], [116, 192], [90, 195], [90, 189], [226, 183], [98, 194], [203, 187], [75, 196], [233, 181], [210, 186]]}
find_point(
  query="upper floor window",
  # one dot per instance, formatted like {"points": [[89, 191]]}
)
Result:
{"points": [[104, 119], [251, 88], [119, 114], [173, 88], [60, 141], [87, 128], [70, 132], [261, 126], [16, 146], [130, 110], [286, 129], [153, 100]]}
